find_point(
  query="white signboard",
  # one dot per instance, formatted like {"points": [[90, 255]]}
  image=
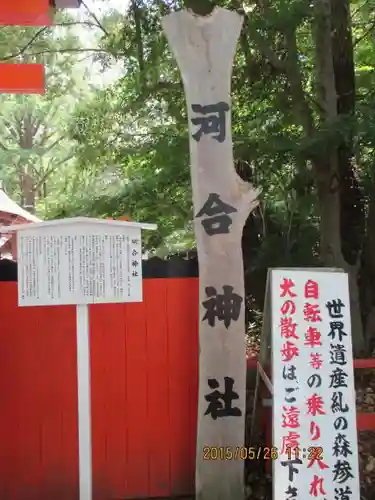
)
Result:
{"points": [[80, 263], [314, 408]]}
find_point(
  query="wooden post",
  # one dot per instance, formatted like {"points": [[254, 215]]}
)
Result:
{"points": [[204, 48]]}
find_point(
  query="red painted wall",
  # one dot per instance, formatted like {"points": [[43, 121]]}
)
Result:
{"points": [[144, 379]]}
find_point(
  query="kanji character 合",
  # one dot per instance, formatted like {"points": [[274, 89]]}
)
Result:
{"points": [[218, 220], [311, 312], [289, 351], [311, 290], [286, 288], [312, 337], [315, 405], [316, 360]]}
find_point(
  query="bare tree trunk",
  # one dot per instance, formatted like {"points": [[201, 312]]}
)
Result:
{"points": [[204, 48]]}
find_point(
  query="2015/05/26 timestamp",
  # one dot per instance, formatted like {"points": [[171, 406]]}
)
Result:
{"points": [[239, 453]]}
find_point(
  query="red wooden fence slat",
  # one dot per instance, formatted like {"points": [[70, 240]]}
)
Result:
{"points": [[159, 412], [108, 392], [22, 78], [25, 13], [182, 315], [136, 358]]}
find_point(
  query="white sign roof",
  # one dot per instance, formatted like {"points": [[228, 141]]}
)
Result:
{"points": [[77, 220], [8, 206]]}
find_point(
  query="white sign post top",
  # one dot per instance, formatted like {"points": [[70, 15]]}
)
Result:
{"points": [[79, 220], [79, 261]]}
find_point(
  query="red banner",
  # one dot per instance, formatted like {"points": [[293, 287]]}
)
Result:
{"points": [[22, 78], [25, 13]]}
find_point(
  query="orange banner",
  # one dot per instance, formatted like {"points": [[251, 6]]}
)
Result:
{"points": [[22, 78], [25, 13]]}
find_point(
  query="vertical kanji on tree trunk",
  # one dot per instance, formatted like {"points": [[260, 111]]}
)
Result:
{"points": [[204, 48]]}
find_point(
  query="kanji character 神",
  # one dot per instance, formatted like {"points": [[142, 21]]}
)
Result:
{"points": [[225, 307]]}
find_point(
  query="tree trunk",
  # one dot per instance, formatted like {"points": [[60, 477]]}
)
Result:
{"points": [[204, 48], [327, 173]]}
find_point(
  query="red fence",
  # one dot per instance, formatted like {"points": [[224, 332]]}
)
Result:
{"points": [[144, 363], [144, 382]]}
